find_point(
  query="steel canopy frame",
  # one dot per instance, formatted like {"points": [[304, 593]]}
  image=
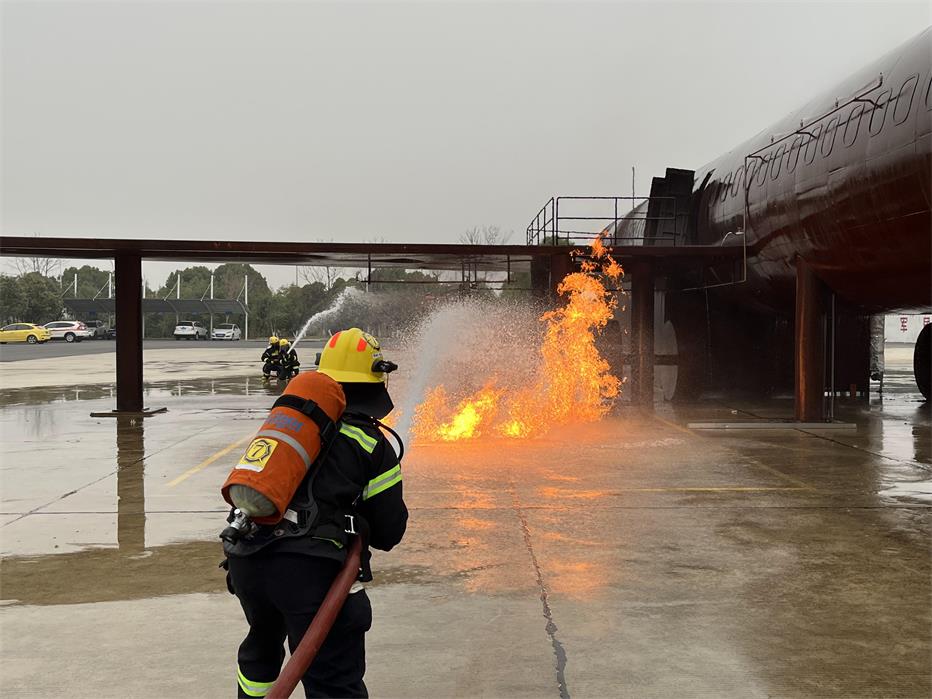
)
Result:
{"points": [[437, 256], [545, 261]]}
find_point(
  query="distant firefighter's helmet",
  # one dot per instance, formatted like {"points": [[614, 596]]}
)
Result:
{"points": [[283, 343], [354, 356], [273, 339]]}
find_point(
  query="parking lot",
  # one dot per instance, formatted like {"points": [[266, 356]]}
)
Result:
{"points": [[58, 348]]}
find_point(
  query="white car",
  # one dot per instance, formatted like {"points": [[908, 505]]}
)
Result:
{"points": [[190, 330], [227, 331], [69, 330]]}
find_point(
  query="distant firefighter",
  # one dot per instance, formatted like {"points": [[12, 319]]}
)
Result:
{"points": [[289, 360], [271, 357]]}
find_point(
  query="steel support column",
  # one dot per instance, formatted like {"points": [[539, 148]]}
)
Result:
{"points": [[810, 344], [560, 267], [540, 276], [642, 327], [129, 333]]}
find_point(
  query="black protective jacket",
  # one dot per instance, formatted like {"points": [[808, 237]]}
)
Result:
{"points": [[290, 359], [360, 476], [272, 354]]}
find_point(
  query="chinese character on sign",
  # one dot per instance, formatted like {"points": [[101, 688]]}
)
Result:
{"points": [[904, 323]]}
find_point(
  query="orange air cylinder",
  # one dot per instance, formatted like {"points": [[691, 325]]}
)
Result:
{"points": [[286, 445]]}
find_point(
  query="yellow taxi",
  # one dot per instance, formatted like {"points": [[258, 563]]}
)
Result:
{"points": [[24, 332]]}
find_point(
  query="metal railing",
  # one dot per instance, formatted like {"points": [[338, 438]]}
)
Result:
{"points": [[578, 220]]}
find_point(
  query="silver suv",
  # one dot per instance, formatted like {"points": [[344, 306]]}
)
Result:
{"points": [[190, 330], [68, 330]]}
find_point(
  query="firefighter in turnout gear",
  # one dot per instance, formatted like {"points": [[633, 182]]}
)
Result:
{"points": [[281, 572], [289, 360], [272, 358]]}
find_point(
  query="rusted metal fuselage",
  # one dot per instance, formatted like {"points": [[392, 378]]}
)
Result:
{"points": [[844, 183]]}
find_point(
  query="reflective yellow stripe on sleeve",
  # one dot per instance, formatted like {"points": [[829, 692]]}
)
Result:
{"points": [[251, 687], [357, 435], [382, 482]]}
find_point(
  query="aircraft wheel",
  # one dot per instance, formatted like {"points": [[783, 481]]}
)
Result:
{"points": [[922, 361]]}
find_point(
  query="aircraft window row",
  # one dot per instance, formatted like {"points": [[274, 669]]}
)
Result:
{"points": [[812, 143], [878, 113], [854, 124], [822, 137], [736, 183], [904, 100], [762, 170], [777, 162], [829, 141], [726, 186], [794, 154]]}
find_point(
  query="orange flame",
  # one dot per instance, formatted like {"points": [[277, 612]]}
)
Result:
{"points": [[574, 383]]}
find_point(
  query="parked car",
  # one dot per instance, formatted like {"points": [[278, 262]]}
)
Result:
{"points": [[111, 332], [24, 332], [227, 331], [98, 328], [69, 330], [190, 330]]}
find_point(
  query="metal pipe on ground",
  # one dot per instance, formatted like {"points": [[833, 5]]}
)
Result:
{"points": [[320, 626]]}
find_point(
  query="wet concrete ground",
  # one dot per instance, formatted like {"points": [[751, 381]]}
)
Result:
{"points": [[634, 557], [68, 365], [20, 351]]}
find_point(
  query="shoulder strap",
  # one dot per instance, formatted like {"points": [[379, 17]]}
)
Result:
{"points": [[306, 406]]}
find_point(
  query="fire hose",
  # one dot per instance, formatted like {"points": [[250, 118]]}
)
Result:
{"points": [[320, 626]]}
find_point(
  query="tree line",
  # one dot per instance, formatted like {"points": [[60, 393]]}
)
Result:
{"points": [[392, 297]]}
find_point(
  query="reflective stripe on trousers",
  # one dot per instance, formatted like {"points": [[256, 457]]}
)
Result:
{"points": [[251, 687]]}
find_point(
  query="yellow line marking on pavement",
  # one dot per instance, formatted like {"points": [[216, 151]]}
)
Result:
{"points": [[789, 479], [800, 485], [680, 428], [209, 460], [596, 494], [711, 489]]}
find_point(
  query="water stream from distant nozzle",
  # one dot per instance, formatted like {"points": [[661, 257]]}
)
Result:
{"points": [[334, 308]]}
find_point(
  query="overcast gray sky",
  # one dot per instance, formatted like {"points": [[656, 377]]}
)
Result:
{"points": [[399, 121]]}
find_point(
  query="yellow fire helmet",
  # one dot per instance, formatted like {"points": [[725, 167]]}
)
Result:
{"points": [[283, 342], [354, 356], [273, 339]]}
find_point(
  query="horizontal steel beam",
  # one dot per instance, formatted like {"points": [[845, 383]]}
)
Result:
{"points": [[406, 255]]}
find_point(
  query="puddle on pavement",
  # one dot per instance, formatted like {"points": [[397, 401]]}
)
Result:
{"points": [[232, 386]]}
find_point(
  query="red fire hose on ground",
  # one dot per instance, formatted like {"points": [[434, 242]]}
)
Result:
{"points": [[320, 626]]}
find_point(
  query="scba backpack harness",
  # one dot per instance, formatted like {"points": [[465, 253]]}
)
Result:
{"points": [[271, 488]]}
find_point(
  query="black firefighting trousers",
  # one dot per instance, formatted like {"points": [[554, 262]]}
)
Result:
{"points": [[280, 593]]}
